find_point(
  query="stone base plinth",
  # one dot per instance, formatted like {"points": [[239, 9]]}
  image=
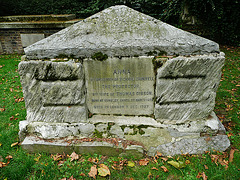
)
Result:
{"points": [[116, 135]]}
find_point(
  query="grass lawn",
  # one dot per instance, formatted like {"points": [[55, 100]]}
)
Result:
{"points": [[17, 164]]}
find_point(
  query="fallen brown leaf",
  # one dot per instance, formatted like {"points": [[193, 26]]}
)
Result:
{"points": [[9, 157], [154, 168], [150, 176], [164, 169], [74, 156], [205, 166], [93, 160], [143, 162], [14, 144], [158, 154], [82, 174], [2, 164], [155, 160], [103, 170], [2, 109], [214, 158], [199, 175], [164, 158], [204, 176], [19, 99], [231, 155], [117, 166], [60, 163], [57, 157], [93, 172], [71, 178]]}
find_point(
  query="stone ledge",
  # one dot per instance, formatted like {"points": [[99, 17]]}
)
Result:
{"points": [[119, 133], [193, 146], [33, 144], [37, 24], [27, 18]]}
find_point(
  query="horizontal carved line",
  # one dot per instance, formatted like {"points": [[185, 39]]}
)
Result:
{"points": [[178, 102], [63, 105], [54, 80], [183, 77]]}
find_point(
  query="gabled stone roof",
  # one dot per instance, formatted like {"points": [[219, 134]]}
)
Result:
{"points": [[120, 31]]}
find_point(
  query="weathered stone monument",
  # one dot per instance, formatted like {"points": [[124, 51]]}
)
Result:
{"points": [[120, 82]]}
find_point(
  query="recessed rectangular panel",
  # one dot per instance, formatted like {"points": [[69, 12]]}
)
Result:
{"points": [[28, 39], [120, 86]]}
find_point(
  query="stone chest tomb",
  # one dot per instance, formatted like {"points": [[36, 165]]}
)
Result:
{"points": [[122, 82]]}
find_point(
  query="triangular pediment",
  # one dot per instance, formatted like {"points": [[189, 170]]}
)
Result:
{"points": [[120, 31]]}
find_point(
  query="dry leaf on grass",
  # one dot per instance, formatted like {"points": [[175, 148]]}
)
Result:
{"points": [[2, 109], [93, 172], [150, 176], [60, 163], [74, 156], [154, 168], [164, 169], [177, 165], [204, 176], [93, 160], [72, 178], [223, 162], [57, 157], [231, 155], [130, 164], [82, 174], [164, 158], [2, 164], [19, 99], [199, 175], [143, 162], [214, 158], [14, 144], [205, 166], [158, 154], [103, 170], [9, 157], [37, 158]]}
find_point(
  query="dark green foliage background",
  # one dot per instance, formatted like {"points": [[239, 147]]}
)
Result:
{"points": [[219, 19]]}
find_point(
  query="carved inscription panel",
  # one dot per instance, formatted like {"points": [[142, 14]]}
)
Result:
{"points": [[120, 86]]}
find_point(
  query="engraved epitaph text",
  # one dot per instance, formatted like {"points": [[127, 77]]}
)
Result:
{"points": [[120, 86]]}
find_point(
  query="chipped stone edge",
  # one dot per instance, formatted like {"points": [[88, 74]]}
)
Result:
{"points": [[210, 136]]}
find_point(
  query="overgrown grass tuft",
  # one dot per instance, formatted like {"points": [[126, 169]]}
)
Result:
{"points": [[21, 165]]}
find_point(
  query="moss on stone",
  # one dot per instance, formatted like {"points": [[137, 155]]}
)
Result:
{"points": [[152, 53], [110, 124], [162, 53], [62, 56], [98, 134], [99, 56]]}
